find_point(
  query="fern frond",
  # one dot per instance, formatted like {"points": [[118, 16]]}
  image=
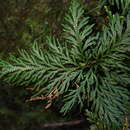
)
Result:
{"points": [[78, 30], [121, 5], [86, 70], [110, 54]]}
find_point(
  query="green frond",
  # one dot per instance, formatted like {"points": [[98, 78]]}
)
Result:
{"points": [[78, 29], [121, 5], [75, 98], [88, 70]]}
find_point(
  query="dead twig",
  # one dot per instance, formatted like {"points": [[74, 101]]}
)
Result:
{"points": [[61, 124]]}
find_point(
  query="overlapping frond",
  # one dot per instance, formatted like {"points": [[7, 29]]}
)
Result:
{"points": [[111, 74], [121, 5], [88, 69]]}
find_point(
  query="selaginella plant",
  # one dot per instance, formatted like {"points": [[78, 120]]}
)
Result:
{"points": [[87, 68]]}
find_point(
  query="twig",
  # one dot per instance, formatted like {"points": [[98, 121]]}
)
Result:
{"points": [[60, 124]]}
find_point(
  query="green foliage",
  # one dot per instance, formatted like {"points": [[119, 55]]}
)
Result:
{"points": [[121, 5], [87, 70]]}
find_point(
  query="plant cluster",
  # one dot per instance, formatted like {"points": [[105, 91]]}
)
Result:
{"points": [[86, 69]]}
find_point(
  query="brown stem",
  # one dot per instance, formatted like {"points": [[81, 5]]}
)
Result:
{"points": [[60, 124]]}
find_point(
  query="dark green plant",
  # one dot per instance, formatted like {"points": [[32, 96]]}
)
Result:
{"points": [[121, 5], [87, 70]]}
